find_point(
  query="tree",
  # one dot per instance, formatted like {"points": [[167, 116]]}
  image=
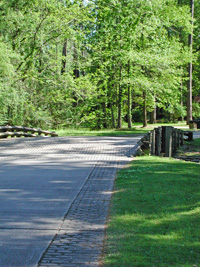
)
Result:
{"points": [[92, 63], [35, 31], [190, 43]]}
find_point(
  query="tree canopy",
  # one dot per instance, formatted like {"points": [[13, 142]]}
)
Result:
{"points": [[96, 63]]}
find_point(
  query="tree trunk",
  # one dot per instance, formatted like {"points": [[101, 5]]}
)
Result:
{"points": [[182, 117], [76, 63], [189, 94], [153, 116], [112, 99], [105, 125], [129, 108], [144, 110], [64, 60], [120, 108], [113, 115], [153, 113], [120, 101], [189, 86], [129, 100]]}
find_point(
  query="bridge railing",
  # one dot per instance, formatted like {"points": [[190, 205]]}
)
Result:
{"points": [[165, 140], [19, 131]]}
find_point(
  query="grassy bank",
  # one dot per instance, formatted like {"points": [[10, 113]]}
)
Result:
{"points": [[155, 215], [136, 129]]}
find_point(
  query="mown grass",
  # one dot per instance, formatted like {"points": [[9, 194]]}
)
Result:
{"points": [[155, 215], [103, 132], [136, 129]]}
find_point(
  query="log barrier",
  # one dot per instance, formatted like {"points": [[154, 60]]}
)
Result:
{"points": [[19, 131], [164, 141]]}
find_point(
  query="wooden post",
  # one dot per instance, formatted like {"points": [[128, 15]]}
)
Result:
{"points": [[175, 140], [150, 141], [158, 141], [153, 142], [179, 138], [163, 140], [168, 141], [190, 136], [182, 138], [192, 124]]}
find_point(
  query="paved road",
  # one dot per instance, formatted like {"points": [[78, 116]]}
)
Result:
{"points": [[196, 134], [54, 198]]}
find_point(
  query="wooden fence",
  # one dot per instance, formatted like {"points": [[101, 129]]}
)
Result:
{"points": [[19, 131], [164, 141]]}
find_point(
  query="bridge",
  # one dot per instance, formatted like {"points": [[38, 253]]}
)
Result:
{"points": [[54, 195]]}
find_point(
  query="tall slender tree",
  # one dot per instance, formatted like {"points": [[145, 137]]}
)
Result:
{"points": [[190, 43]]}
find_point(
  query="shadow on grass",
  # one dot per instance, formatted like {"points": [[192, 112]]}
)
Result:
{"points": [[155, 215]]}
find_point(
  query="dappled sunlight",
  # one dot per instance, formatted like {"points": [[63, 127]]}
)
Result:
{"points": [[155, 215], [42, 196], [60, 182], [66, 148], [165, 237]]}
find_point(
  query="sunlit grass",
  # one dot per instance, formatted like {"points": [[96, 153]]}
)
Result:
{"points": [[136, 129], [103, 132], [155, 215]]}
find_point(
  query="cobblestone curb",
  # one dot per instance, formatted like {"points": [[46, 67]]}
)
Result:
{"points": [[78, 242]]}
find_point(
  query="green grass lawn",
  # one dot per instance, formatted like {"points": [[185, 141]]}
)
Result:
{"points": [[136, 129], [155, 215], [103, 132]]}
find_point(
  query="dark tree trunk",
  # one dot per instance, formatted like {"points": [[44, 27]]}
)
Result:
{"points": [[105, 125], [153, 116], [129, 100], [189, 86], [76, 63], [120, 108], [189, 94], [182, 117], [113, 115], [64, 60], [129, 108], [144, 110], [153, 113], [120, 101]]}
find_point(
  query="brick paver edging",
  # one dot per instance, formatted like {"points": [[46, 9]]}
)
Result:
{"points": [[79, 240]]}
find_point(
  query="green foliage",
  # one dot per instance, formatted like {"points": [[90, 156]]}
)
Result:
{"points": [[176, 111], [196, 110], [33, 91], [72, 63], [6, 67]]}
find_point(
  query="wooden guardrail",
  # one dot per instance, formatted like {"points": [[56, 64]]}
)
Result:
{"points": [[164, 141], [18, 131]]}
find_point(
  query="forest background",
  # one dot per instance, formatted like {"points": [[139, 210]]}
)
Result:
{"points": [[98, 64]]}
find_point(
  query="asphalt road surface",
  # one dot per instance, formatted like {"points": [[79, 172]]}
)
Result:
{"points": [[41, 181]]}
